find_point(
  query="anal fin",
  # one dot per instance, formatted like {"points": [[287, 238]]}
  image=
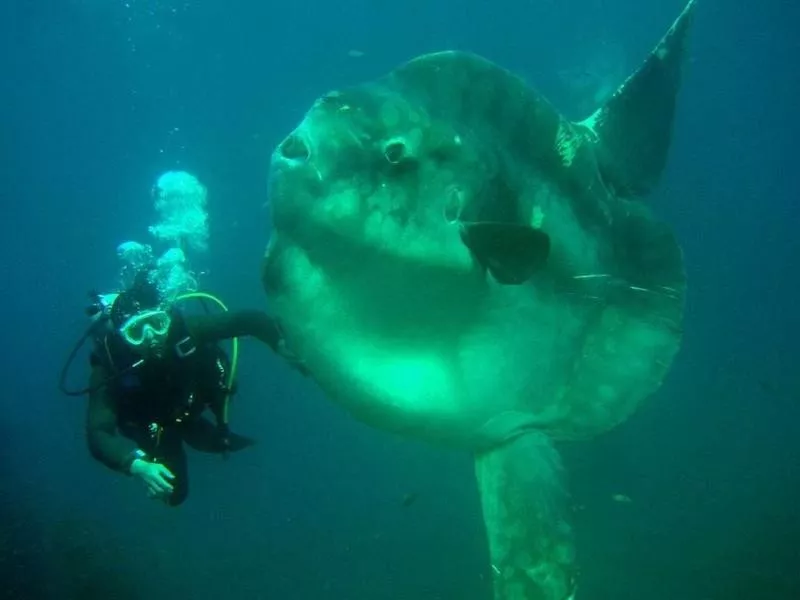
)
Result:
{"points": [[525, 507]]}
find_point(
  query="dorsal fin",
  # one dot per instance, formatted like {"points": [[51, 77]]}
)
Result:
{"points": [[633, 130]]}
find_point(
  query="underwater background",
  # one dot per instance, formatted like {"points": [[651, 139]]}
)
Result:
{"points": [[695, 498]]}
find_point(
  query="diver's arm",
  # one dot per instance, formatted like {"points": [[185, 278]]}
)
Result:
{"points": [[216, 327], [105, 442]]}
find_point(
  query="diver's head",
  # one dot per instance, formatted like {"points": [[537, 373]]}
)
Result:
{"points": [[140, 319]]}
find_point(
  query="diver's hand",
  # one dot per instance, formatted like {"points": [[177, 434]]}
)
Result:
{"points": [[294, 361], [155, 476]]}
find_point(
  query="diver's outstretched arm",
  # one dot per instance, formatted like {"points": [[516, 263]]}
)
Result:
{"points": [[255, 323], [223, 326]]}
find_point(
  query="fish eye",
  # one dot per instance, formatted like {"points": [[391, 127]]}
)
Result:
{"points": [[394, 152]]}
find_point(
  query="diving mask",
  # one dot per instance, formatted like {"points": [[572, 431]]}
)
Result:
{"points": [[145, 327]]}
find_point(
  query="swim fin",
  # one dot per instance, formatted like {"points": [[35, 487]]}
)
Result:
{"points": [[204, 436]]}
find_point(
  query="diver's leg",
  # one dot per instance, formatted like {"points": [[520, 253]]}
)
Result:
{"points": [[171, 454], [201, 434], [177, 463], [525, 508]]}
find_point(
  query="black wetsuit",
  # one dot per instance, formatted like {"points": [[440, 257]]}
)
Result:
{"points": [[156, 406]]}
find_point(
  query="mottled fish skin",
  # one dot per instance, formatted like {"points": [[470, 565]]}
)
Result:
{"points": [[455, 261], [471, 143]]}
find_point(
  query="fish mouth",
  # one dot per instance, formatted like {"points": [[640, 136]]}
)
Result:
{"points": [[294, 151], [296, 190], [294, 158]]}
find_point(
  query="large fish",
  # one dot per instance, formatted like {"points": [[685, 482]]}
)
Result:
{"points": [[455, 261]]}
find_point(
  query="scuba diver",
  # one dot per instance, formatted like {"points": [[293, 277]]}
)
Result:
{"points": [[155, 371]]}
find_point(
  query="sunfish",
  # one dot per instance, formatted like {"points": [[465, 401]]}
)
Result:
{"points": [[455, 261]]}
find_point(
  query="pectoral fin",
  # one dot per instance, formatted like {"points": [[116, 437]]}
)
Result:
{"points": [[511, 253]]}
